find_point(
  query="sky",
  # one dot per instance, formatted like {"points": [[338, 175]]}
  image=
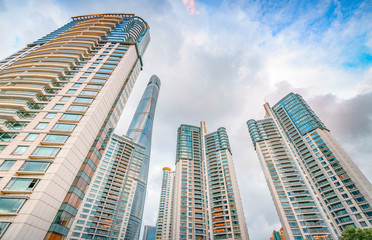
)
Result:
{"points": [[220, 60]]}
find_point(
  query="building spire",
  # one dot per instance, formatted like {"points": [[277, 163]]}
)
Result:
{"points": [[140, 129]]}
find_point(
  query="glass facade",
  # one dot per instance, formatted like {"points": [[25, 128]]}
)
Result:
{"points": [[113, 205], [140, 130]]}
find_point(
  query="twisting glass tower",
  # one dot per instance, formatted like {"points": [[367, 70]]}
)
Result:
{"points": [[140, 130], [113, 205], [60, 99], [317, 189], [205, 195]]}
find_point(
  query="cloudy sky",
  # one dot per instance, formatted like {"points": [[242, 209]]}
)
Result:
{"points": [[219, 61]]}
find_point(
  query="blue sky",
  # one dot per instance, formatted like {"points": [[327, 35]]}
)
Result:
{"points": [[219, 61]]}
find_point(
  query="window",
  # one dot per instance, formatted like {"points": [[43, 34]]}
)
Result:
{"points": [[71, 91], [41, 125], [71, 117], [50, 115], [83, 100], [31, 137], [102, 74], [11, 205], [6, 165], [3, 227], [34, 166], [94, 86], [19, 150], [77, 84], [97, 80], [91, 93], [106, 70], [64, 99], [109, 65], [2, 147], [46, 151], [64, 127], [22, 184], [55, 138], [82, 79], [58, 106], [78, 108]]}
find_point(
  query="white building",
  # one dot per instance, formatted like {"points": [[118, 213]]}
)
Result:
{"points": [[316, 188]]}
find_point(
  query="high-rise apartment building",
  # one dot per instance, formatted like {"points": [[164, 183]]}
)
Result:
{"points": [[317, 189], [60, 100], [149, 233], [165, 214], [206, 202], [278, 235], [113, 207]]}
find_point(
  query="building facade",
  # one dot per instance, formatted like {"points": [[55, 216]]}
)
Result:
{"points": [[165, 214], [278, 235], [149, 233], [206, 202], [317, 189], [112, 208], [60, 100]]}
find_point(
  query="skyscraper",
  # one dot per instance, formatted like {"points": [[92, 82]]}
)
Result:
{"points": [[317, 189], [165, 214], [140, 130], [206, 202], [113, 207], [149, 233], [60, 100]]}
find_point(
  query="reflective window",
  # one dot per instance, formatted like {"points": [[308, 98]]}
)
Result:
{"points": [[79, 108], [46, 151], [11, 205], [55, 138], [92, 93], [94, 86], [77, 84], [58, 106], [2, 147], [83, 100], [22, 184], [31, 137], [19, 150], [3, 227], [41, 125], [64, 99], [97, 80], [71, 91], [64, 127], [6, 165], [34, 166], [71, 117], [50, 115]]}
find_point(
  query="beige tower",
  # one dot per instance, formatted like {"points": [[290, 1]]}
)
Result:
{"points": [[60, 100]]}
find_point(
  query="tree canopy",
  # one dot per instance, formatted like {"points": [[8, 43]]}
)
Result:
{"points": [[350, 233]]}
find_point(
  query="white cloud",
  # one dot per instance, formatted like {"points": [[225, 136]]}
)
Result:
{"points": [[190, 6], [220, 67]]}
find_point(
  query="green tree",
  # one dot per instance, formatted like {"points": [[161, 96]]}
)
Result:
{"points": [[350, 233]]}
